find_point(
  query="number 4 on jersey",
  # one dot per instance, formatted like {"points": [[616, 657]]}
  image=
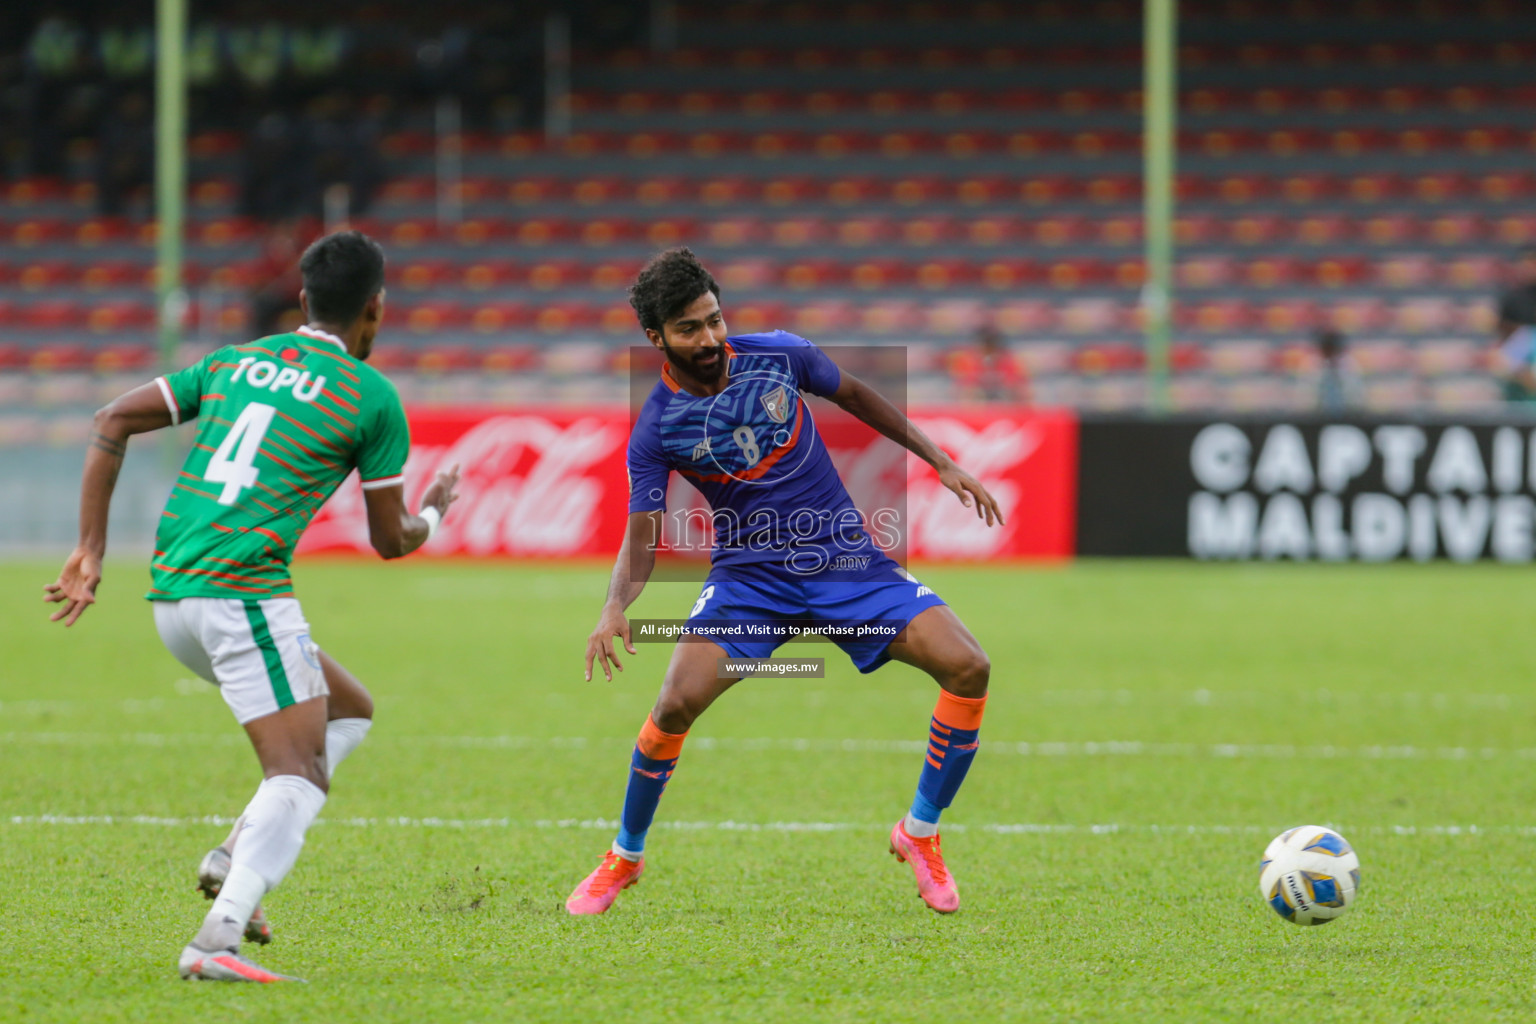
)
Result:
{"points": [[236, 469]]}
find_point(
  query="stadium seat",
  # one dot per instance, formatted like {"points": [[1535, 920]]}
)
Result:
{"points": [[880, 274]]}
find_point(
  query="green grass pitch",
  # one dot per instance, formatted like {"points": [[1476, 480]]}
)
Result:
{"points": [[1151, 727]]}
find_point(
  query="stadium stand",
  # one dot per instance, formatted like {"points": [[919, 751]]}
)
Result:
{"points": [[907, 173]]}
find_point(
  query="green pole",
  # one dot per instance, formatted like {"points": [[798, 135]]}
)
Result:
{"points": [[170, 169], [1159, 148]]}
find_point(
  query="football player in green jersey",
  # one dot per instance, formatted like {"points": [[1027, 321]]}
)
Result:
{"points": [[282, 421]]}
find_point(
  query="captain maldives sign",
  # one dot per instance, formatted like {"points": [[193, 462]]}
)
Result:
{"points": [[1309, 490]]}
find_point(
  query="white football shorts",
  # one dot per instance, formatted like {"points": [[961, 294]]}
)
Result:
{"points": [[258, 653]]}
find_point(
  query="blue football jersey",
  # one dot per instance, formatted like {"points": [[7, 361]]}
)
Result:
{"points": [[778, 507]]}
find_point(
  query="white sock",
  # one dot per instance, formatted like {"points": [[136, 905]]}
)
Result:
{"points": [[626, 854], [918, 829], [342, 736], [275, 822]]}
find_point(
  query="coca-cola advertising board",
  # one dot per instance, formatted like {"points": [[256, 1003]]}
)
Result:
{"points": [[542, 483]]}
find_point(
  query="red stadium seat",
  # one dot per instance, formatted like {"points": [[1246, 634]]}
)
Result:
{"points": [[728, 191], [670, 231], [1221, 317], [1120, 188], [537, 231], [1290, 316], [1258, 229], [748, 275], [983, 191], [609, 231], [1240, 357], [1244, 188], [734, 231], [1439, 188], [818, 273], [814, 319], [1305, 189], [751, 317], [1008, 274], [945, 274], [1426, 315], [917, 191], [1048, 191], [1375, 188], [480, 231], [122, 358], [427, 317], [850, 191], [112, 317], [550, 275], [656, 191], [500, 317], [1341, 272], [1288, 142], [1201, 272], [1025, 316], [1392, 229], [994, 231], [798, 232], [788, 191], [489, 274], [1505, 187], [407, 190], [891, 316], [408, 233], [1380, 355], [613, 275], [1197, 229], [1325, 229], [510, 358], [60, 357], [1081, 272], [1059, 231], [1475, 272], [1458, 229], [920, 232], [1408, 271], [1275, 271], [955, 317], [1359, 315], [875, 275], [27, 233], [597, 191], [41, 276], [557, 318], [422, 275], [536, 191], [1094, 316], [48, 316], [776, 145]]}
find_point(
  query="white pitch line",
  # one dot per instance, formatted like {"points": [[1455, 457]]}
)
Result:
{"points": [[744, 744], [608, 825], [1182, 699]]}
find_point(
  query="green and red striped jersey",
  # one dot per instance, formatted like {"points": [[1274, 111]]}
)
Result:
{"points": [[281, 421]]}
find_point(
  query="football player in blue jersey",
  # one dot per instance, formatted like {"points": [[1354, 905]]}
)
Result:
{"points": [[789, 547]]}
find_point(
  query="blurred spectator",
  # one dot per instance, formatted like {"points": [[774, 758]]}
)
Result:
{"points": [[987, 371], [346, 152], [1516, 332], [125, 158], [1338, 385]]}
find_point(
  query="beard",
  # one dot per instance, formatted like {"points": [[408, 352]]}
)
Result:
{"points": [[704, 374]]}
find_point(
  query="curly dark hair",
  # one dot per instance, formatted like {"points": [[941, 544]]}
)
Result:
{"points": [[667, 284]]}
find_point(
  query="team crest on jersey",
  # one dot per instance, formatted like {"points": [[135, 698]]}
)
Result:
{"points": [[776, 403]]}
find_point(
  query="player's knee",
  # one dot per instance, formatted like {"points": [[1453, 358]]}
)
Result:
{"points": [[970, 676], [673, 715]]}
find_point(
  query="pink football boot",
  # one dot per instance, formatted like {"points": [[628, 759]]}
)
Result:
{"points": [[934, 883]]}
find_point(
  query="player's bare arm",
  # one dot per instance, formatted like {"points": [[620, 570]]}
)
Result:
{"points": [[392, 530], [139, 411], [860, 400], [631, 570]]}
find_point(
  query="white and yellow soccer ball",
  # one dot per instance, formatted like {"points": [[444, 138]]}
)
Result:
{"points": [[1309, 875]]}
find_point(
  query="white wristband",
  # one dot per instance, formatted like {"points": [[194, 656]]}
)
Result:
{"points": [[433, 518]]}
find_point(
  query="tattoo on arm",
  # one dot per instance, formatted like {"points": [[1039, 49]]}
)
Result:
{"points": [[117, 449]]}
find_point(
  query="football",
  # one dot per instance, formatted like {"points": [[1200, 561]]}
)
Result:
{"points": [[1309, 875]]}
